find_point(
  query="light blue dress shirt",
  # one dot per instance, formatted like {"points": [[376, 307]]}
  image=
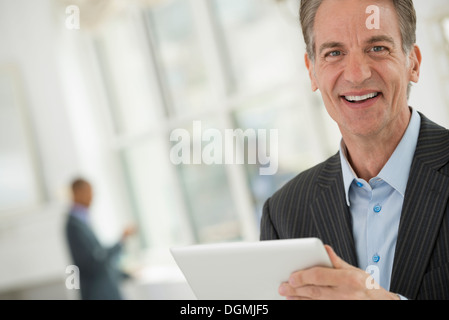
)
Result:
{"points": [[81, 212], [376, 205]]}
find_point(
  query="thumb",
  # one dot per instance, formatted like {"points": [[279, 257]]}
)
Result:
{"points": [[336, 261]]}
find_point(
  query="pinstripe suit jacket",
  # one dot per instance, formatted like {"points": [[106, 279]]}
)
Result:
{"points": [[313, 205]]}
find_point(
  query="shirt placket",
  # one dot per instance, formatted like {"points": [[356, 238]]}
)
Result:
{"points": [[374, 233]]}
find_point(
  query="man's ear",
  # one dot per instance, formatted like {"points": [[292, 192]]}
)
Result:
{"points": [[415, 63], [309, 66]]}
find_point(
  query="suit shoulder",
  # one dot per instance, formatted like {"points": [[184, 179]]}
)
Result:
{"points": [[286, 212], [433, 145]]}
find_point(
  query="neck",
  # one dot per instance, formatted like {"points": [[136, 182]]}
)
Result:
{"points": [[369, 154], [81, 203]]}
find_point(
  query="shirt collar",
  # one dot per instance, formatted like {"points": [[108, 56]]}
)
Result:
{"points": [[397, 169], [79, 211], [348, 173]]}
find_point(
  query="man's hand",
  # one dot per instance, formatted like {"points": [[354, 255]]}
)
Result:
{"points": [[343, 282], [128, 231]]}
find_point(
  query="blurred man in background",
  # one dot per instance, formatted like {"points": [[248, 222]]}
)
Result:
{"points": [[100, 276]]}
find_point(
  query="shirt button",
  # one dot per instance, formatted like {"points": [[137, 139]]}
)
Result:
{"points": [[359, 184], [376, 258], [377, 208]]}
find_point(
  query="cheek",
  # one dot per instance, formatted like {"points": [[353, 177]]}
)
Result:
{"points": [[393, 75], [327, 80]]}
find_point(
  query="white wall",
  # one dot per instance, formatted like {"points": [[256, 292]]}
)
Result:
{"points": [[32, 249]]}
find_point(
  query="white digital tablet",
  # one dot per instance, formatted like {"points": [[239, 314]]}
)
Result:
{"points": [[246, 270]]}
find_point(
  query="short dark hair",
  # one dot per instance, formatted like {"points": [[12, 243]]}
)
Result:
{"points": [[78, 183]]}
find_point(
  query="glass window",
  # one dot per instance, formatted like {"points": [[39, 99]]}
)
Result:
{"points": [[205, 183], [258, 41], [184, 76], [132, 89], [210, 203], [157, 199]]}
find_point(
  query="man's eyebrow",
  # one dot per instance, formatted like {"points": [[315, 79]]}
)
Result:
{"points": [[328, 45], [381, 38]]}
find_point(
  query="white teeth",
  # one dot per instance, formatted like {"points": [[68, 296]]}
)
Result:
{"points": [[361, 98]]}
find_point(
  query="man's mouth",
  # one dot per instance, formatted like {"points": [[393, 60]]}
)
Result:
{"points": [[361, 98]]}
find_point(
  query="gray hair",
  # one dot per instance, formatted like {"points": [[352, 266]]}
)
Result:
{"points": [[404, 8]]}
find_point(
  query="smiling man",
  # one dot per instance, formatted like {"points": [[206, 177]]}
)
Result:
{"points": [[381, 203]]}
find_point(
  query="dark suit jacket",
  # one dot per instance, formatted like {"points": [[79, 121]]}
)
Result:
{"points": [[313, 205], [99, 276]]}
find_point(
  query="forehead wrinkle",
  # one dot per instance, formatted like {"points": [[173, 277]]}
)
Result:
{"points": [[341, 33], [339, 29]]}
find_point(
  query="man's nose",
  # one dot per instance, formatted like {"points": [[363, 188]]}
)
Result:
{"points": [[357, 69]]}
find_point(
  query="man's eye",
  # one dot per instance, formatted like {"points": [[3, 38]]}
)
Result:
{"points": [[378, 49], [335, 53]]}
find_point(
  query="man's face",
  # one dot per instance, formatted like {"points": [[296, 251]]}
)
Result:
{"points": [[84, 195], [362, 73]]}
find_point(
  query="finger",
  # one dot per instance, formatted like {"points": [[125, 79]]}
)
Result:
{"points": [[290, 293], [307, 293], [336, 261], [322, 276], [286, 290], [297, 298], [317, 276]]}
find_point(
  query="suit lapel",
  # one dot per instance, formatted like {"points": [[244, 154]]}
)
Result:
{"points": [[331, 214], [425, 202]]}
